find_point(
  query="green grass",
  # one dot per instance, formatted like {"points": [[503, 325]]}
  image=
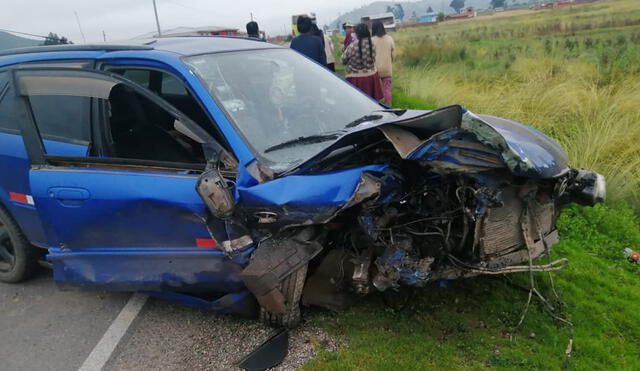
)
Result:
{"points": [[470, 324], [402, 100], [573, 73], [548, 70]]}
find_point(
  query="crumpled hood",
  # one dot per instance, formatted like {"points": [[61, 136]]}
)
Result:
{"points": [[524, 150], [449, 140], [529, 152]]}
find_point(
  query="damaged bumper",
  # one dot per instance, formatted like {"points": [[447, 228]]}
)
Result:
{"points": [[438, 195]]}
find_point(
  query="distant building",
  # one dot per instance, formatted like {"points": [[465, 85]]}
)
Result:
{"points": [[428, 18], [560, 4], [468, 12], [387, 19]]}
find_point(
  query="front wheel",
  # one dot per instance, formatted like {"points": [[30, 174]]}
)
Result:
{"points": [[18, 259], [291, 288]]}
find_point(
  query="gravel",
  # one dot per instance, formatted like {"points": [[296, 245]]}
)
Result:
{"points": [[168, 336]]}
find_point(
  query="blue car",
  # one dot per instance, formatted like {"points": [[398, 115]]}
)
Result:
{"points": [[239, 176]]}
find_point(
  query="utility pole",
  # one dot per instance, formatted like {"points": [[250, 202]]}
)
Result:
{"points": [[251, 16], [155, 10], [104, 36], [80, 27]]}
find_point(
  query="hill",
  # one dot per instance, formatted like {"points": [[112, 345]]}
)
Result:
{"points": [[420, 7], [8, 41]]}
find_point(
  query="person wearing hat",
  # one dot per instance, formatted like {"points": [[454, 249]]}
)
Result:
{"points": [[348, 39]]}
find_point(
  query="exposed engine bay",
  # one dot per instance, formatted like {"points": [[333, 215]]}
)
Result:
{"points": [[441, 201]]}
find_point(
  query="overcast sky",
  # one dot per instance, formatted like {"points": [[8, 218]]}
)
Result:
{"points": [[125, 19]]}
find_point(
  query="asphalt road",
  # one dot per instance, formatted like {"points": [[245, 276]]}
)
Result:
{"points": [[43, 328]]}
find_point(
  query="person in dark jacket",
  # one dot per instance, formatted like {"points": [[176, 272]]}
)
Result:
{"points": [[253, 30], [307, 43]]}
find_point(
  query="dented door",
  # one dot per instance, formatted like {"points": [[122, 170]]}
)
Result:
{"points": [[119, 223], [129, 230]]}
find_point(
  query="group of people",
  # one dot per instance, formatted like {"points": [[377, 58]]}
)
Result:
{"points": [[368, 60]]}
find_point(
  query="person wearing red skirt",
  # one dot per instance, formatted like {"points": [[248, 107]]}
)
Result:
{"points": [[360, 63]]}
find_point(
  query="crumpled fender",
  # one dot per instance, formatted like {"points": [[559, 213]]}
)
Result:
{"points": [[305, 199], [525, 150]]}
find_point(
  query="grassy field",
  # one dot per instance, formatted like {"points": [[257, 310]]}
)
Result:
{"points": [[575, 74]]}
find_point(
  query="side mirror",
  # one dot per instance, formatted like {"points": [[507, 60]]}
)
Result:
{"points": [[216, 193]]}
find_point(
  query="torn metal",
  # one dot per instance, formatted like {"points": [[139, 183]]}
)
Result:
{"points": [[406, 201]]}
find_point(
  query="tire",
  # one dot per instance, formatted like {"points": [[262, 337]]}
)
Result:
{"points": [[291, 288], [18, 259]]}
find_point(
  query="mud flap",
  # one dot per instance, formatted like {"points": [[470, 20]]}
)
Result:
{"points": [[272, 262], [269, 354]]}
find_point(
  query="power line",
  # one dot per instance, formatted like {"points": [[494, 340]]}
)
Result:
{"points": [[29, 34]]}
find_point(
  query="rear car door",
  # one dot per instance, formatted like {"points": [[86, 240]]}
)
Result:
{"points": [[114, 186]]}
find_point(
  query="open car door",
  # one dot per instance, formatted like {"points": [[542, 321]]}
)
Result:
{"points": [[115, 185]]}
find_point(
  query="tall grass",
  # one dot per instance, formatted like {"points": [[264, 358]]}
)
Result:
{"points": [[573, 73]]}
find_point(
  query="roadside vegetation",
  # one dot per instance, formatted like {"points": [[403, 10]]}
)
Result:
{"points": [[472, 323], [575, 75]]}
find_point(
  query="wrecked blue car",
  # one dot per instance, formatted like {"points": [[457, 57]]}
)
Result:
{"points": [[241, 177]]}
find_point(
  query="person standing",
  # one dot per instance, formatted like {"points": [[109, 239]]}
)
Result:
{"points": [[348, 39], [360, 63], [316, 31], [307, 43], [253, 30], [385, 54]]}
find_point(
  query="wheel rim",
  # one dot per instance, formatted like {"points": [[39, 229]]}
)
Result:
{"points": [[7, 252]]}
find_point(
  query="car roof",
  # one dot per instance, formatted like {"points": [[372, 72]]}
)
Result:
{"points": [[181, 46]]}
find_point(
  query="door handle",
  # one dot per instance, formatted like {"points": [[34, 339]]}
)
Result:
{"points": [[71, 197]]}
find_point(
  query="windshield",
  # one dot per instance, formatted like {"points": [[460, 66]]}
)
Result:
{"points": [[280, 99]]}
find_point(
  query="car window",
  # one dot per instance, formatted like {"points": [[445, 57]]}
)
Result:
{"points": [[141, 77], [63, 118], [9, 107], [174, 91], [128, 123], [138, 128], [172, 86]]}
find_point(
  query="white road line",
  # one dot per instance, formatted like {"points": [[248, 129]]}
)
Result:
{"points": [[109, 341]]}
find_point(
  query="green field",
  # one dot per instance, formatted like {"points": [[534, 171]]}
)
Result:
{"points": [[574, 74]]}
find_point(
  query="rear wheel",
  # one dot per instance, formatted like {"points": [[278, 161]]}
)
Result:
{"points": [[291, 288], [18, 259]]}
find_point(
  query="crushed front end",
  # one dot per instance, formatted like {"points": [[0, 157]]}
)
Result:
{"points": [[423, 197]]}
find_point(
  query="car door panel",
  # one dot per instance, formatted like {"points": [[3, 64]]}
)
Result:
{"points": [[130, 230], [122, 227]]}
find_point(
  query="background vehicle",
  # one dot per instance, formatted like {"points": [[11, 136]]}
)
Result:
{"points": [[161, 167]]}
